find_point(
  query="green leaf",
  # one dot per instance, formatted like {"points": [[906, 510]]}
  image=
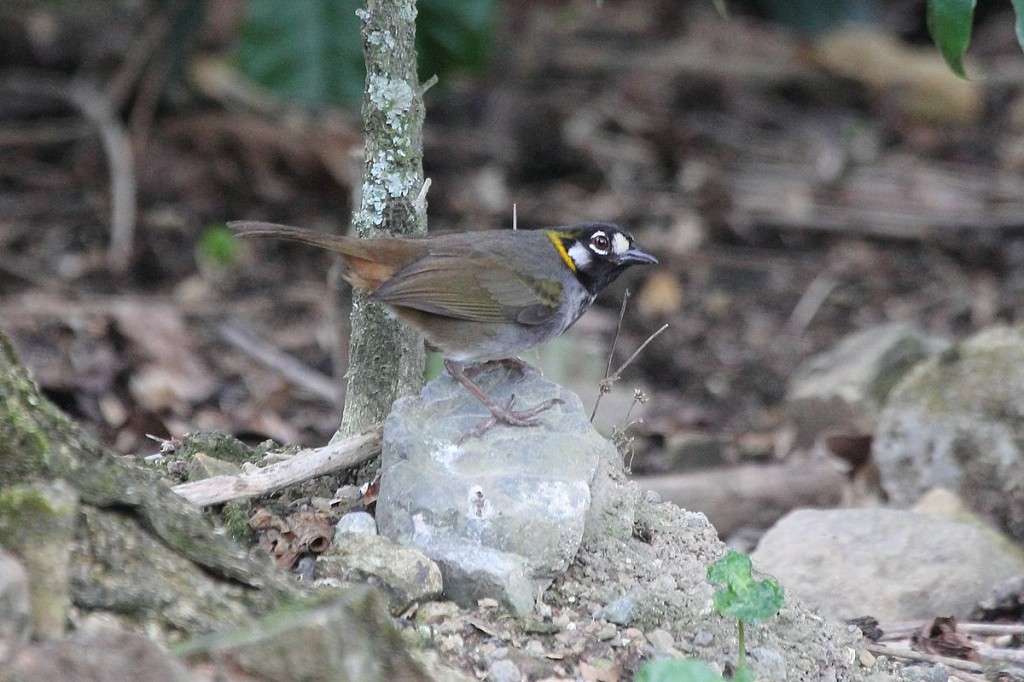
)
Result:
{"points": [[310, 51], [453, 35], [1018, 10], [218, 245], [675, 670], [949, 22], [743, 597]]}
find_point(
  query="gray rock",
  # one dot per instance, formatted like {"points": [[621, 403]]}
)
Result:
{"points": [[472, 572], [405, 575], [957, 421], [503, 671], [351, 638], [844, 388], [355, 522], [110, 655], [660, 640], [518, 491], [892, 564], [925, 673], [15, 619], [619, 611], [767, 665]]}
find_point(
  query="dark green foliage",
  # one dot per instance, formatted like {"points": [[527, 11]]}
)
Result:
{"points": [[311, 51]]}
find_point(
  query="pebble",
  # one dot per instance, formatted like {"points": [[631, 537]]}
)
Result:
{"points": [[661, 640], [356, 522], [504, 671], [767, 664], [921, 673], [606, 632], [534, 648], [452, 643], [619, 611], [703, 638]]}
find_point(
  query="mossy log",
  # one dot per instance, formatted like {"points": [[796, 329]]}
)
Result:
{"points": [[138, 549]]}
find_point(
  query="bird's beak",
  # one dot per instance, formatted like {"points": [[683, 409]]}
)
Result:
{"points": [[637, 256]]}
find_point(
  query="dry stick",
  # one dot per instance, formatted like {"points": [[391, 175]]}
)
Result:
{"points": [[955, 663], [615, 377], [611, 354], [121, 163], [809, 304], [95, 107], [307, 378], [303, 465]]}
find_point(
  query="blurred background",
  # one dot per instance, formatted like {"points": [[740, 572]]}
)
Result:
{"points": [[803, 170]]}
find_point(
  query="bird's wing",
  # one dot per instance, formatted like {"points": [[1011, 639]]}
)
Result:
{"points": [[471, 287]]}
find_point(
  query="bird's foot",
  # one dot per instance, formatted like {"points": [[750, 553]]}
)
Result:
{"points": [[500, 414], [506, 415]]}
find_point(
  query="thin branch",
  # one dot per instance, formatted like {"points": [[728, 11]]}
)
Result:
{"points": [[297, 372], [302, 466], [955, 663]]}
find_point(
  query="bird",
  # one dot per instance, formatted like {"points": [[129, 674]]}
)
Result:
{"points": [[483, 296]]}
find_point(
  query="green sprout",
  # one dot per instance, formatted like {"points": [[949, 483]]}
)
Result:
{"points": [[745, 599]]}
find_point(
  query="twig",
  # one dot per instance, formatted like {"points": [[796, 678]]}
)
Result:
{"points": [[307, 378], [611, 351], [121, 163], [302, 466], [955, 663], [809, 304], [615, 377], [116, 143]]}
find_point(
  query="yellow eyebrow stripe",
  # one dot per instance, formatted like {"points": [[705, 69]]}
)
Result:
{"points": [[557, 241]]}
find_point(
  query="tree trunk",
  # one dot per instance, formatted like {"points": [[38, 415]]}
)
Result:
{"points": [[387, 358]]}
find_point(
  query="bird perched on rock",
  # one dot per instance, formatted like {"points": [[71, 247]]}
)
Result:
{"points": [[481, 296]]}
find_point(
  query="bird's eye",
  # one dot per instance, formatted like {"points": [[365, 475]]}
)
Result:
{"points": [[600, 242]]}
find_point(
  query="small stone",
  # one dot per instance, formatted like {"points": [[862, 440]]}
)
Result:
{"points": [[606, 632], [767, 664], [866, 658], [660, 640], [534, 648], [619, 611], [503, 671], [436, 612], [355, 522], [561, 621], [703, 638], [635, 634], [487, 603], [922, 673], [452, 643]]}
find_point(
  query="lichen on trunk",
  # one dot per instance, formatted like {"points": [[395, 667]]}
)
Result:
{"points": [[387, 358]]}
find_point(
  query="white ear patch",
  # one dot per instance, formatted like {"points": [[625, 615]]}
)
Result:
{"points": [[620, 243], [580, 255]]}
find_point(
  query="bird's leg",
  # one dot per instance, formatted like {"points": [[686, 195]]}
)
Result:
{"points": [[515, 364], [499, 413]]}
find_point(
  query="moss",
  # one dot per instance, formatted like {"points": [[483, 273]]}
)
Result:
{"points": [[235, 518]]}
